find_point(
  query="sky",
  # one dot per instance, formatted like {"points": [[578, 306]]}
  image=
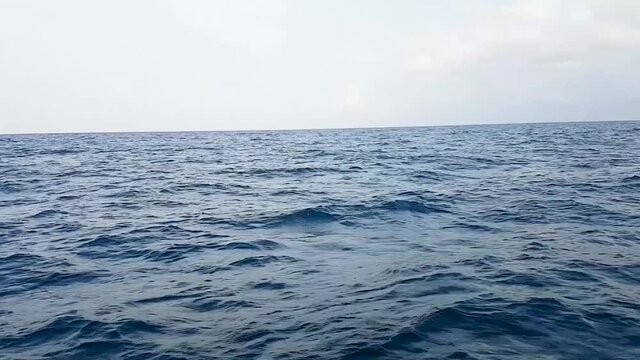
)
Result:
{"points": [[164, 65]]}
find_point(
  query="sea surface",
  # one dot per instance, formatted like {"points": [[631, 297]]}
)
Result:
{"points": [[469, 242]]}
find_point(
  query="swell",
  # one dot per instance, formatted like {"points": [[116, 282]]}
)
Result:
{"points": [[74, 336], [133, 245], [538, 324], [350, 214], [21, 273]]}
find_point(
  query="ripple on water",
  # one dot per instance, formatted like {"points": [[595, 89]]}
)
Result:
{"points": [[480, 242]]}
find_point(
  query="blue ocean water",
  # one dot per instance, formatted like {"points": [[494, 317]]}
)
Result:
{"points": [[470, 242]]}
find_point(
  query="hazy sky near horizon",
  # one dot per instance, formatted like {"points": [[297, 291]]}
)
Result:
{"points": [[140, 65]]}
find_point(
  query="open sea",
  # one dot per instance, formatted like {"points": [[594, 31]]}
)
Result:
{"points": [[468, 242]]}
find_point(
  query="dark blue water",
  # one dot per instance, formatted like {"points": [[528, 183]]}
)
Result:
{"points": [[478, 242]]}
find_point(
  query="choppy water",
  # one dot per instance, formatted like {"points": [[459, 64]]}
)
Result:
{"points": [[478, 242]]}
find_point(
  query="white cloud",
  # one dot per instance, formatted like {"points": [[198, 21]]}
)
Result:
{"points": [[529, 31], [73, 65], [526, 61]]}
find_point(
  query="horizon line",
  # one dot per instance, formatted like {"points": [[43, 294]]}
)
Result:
{"points": [[116, 132]]}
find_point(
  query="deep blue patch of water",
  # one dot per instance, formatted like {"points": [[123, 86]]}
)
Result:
{"points": [[474, 242]]}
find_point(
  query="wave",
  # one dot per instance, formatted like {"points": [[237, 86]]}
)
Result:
{"points": [[61, 152], [412, 206], [105, 240], [211, 304], [48, 213], [252, 245], [9, 187], [197, 186], [132, 245], [631, 179], [74, 336], [549, 211], [625, 273], [287, 171], [258, 261], [169, 254], [515, 278], [308, 216], [471, 226], [349, 214], [268, 285], [126, 194], [486, 323], [30, 278]]}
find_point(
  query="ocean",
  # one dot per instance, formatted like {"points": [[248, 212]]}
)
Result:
{"points": [[466, 242]]}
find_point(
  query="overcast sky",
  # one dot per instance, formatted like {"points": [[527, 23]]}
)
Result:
{"points": [[136, 65]]}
